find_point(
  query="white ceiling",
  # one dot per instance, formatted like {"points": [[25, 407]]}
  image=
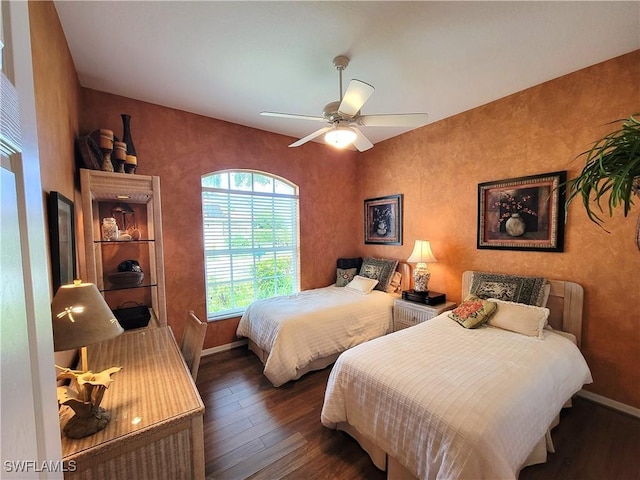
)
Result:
{"points": [[232, 60]]}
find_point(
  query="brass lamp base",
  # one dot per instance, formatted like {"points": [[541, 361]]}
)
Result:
{"points": [[80, 427]]}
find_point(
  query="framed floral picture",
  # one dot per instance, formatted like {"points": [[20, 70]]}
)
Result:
{"points": [[525, 213], [383, 220]]}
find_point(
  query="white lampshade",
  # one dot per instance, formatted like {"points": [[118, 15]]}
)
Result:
{"points": [[422, 253], [340, 136], [81, 317]]}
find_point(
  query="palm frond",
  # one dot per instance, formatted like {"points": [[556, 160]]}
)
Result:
{"points": [[611, 165]]}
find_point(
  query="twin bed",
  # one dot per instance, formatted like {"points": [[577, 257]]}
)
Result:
{"points": [[441, 401], [307, 331], [436, 400]]}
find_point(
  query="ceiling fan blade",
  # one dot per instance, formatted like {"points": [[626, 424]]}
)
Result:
{"points": [[355, 97], [394, 120], [361, 142], [311, 136], [291, 115]]}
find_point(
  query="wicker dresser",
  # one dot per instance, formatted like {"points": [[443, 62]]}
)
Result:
{"points": [[407, 314], [156, 429]]}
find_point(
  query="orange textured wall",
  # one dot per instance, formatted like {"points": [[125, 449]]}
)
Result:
{"points": [[57, 95], [438, 168], [180, 147]]}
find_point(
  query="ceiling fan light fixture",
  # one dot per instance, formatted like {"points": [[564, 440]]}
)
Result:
{"points": [[344, 116], [340, 137]]}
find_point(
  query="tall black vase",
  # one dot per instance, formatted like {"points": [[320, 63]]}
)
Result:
{"points": [[126, 134]]}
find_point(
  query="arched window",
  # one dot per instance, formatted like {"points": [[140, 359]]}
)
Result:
{"points": [[251, 239]]}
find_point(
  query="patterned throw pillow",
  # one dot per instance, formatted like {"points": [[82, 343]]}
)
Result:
{"points": [[354, 262], [379, 269], [344, 276], [473, 312], [510, 288]]}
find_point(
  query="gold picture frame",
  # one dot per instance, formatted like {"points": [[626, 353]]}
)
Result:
{"points": [[524, 213]]}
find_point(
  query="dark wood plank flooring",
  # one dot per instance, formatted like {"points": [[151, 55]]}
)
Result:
{"points": [[253, 430]]}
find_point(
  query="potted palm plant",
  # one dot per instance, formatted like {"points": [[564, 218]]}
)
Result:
{"points": [[612, 166]]}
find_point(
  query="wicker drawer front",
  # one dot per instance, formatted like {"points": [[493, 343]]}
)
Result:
{"points": [[407, 314], [408, 317]]}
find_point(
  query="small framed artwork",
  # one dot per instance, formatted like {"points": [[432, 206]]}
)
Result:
{"points": [[383, 220], [61, 239], [525, 213]]}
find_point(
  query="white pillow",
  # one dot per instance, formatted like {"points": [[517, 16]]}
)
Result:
{"points": [[362, 285], [520, 318]]}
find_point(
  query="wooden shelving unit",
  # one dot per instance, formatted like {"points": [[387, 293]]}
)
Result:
{"points": [[101, 192]]}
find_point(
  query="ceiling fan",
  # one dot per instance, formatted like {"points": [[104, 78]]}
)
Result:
{"points": [[344, 116]]}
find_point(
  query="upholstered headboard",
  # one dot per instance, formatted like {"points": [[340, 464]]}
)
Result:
{"points": [[564, 304]]}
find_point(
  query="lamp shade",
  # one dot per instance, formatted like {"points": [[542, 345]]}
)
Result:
{"points": [[340, 136], [81, 317], [422, 253]]}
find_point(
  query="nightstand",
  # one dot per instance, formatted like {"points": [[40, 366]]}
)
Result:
{"points": [[407, 314]]}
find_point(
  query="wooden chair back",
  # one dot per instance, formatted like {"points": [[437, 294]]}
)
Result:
{"points": [[192, 342]]}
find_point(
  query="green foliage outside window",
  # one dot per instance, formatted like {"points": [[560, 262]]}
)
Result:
{"points": [[272, 277]]}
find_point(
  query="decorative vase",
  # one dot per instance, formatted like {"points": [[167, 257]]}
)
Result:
{"points": [[119, 155], [130, 164], [126, 134], [515, 225], [105, 143]]}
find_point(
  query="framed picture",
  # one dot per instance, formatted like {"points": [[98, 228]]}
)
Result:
{"points": [[61, 239], [383, 220], [525, 213]]}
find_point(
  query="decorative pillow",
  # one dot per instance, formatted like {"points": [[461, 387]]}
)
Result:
{"points": [[362, 284], [520, 318], [395, 285], [345, 275], [510, 288], [345, 263], [379, 269], [473, 312]]}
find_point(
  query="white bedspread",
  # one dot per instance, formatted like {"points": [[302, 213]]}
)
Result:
{"points": [[452, 403], [298, 329]]}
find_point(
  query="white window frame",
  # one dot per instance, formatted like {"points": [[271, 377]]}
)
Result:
{"points": [[282, 192]]}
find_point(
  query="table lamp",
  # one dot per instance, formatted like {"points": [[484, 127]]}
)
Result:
{"points": [[81, 317], [421, 255]]}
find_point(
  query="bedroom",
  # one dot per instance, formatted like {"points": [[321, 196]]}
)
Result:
{"points": [[534, 131]]}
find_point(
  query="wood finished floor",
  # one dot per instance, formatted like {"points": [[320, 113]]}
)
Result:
{"points": [[255, 431]]}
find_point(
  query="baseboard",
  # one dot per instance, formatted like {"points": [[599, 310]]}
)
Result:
{"points": [[607, 402], [224, 348]]}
